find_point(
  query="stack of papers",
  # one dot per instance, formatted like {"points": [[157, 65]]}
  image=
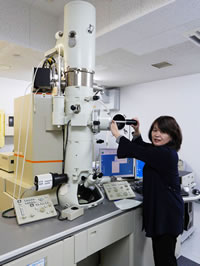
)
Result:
{"points": [[126, 204]]}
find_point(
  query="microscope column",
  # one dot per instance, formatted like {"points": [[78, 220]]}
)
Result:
{"points": [[79, 57]]}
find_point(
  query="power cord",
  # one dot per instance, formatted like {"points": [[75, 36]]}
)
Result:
{"points": [[8, 216], [26, 190], [59, 214]]}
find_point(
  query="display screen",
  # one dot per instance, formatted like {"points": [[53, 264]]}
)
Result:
{"points": [[139, 165], [110, 165]]}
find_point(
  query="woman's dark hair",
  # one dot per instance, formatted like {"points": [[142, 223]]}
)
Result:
{"points": [[168, 124]]}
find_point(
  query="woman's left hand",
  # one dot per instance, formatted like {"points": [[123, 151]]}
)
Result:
{"points": [[114, 129]]}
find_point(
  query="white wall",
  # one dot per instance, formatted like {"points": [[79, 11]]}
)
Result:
{"points": [[178, 97], [9, 90]]}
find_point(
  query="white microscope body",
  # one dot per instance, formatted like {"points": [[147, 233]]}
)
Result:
{"points": [[74, 108]]}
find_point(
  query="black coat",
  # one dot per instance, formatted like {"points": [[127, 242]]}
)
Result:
{"points": [[163, 207]]}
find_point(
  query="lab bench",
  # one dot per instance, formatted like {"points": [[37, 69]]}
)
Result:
{"points": [[104, 236]]}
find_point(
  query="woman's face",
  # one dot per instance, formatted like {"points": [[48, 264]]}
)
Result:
{"points": [[159, 138]]}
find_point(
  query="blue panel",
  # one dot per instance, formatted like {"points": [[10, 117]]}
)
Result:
{"points": [[139, 165]]}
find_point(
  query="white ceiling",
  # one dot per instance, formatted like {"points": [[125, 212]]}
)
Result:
{"points": [[131, 36]]}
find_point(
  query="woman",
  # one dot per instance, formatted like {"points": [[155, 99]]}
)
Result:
{"points": [[163, 206]]}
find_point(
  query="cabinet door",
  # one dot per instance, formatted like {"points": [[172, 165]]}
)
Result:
{"points": [[143, 254], [49, 256], [81, 243], [69, 252], [119, 253], [104, 234]]}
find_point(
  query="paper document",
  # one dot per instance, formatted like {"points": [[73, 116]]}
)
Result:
{"points": [[115, 167], [126, 204]]}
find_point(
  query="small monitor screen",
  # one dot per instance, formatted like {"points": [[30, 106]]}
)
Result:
{"points": [[139, 165], [11, 121], [110, 165]]}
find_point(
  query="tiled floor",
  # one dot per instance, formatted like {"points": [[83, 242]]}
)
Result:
{"points": [[191, 247]]}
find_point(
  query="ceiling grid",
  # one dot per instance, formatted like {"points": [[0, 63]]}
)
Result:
{"points": [[131, 36]]}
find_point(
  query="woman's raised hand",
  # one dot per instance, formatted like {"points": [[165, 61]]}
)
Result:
{"points": [[114, 129], [136, 127]]}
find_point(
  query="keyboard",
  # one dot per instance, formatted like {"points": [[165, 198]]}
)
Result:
{"points": [[118, 190], [138, 187]]}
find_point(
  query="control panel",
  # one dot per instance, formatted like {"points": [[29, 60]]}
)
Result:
{"points": [[118, 190], [187, 179], [33, 209]]}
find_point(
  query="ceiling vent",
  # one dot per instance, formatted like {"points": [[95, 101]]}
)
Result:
{"points": [[162, 65], [194, 36]]}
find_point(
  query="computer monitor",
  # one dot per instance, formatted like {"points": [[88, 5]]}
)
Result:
{"points": [[110, 165], [139, 165]]}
